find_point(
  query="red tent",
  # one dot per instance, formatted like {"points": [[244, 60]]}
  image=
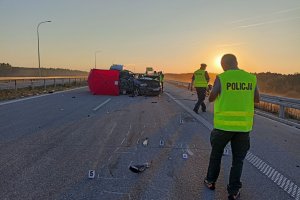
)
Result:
{"points": [[105, 82]]}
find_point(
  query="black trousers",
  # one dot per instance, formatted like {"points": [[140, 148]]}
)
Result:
{"points": [[201, 93], [240, 144]]}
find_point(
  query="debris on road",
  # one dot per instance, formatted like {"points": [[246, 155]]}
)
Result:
{"points": [[145, 142], [139, 168]]}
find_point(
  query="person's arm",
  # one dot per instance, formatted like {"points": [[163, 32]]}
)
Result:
{"points": [[256, 95], [192, 83], [215, 91], [206, 76]]}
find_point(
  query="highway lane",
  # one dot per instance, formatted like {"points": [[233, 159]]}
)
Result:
{"points": [[48, 144], [274, 143]]}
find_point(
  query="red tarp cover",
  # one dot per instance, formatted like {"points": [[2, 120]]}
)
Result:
{"points": [[105, 82]]}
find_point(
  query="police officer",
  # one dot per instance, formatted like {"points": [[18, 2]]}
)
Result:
{"points": [[234, 92], [200, 80], [161, 79]]}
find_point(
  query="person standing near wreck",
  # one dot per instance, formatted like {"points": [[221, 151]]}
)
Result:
{"points": [[235, 92], [200, 80]]}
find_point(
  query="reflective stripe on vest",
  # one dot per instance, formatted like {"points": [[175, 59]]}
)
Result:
{"points": [[234, 107], [199, 78]]}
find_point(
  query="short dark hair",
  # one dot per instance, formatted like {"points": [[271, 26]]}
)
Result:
{"points": [[229, 60], [203, 66]]}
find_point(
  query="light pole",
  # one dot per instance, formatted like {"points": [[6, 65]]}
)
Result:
{"points": [[96, 57], [39, 45]]}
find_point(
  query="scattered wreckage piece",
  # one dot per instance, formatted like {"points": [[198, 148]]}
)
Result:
{"points": [[139, 168]]}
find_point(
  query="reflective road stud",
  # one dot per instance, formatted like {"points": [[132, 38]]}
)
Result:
{"points": [[91, 174]]}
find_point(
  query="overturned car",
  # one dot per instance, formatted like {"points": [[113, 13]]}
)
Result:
{"points": [[146, 86], [138, 85]]}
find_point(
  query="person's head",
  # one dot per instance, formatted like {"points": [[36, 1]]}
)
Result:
{"points": [[229, 61], [203, 66]]}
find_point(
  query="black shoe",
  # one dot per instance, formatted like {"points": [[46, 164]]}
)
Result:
{"points": [[234, 196], [196, 111], [209, 185]]}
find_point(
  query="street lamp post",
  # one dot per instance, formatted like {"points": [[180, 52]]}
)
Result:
{"points": [[96, 57], [40, 74]]}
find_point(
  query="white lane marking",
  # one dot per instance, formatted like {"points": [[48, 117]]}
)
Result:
{"points": [[130, 164], [102, 104], [33, 97], [189, 152], [202, 120], [128, 130], [125, 152], [123, 141], [142, 133], [109, 158], [111, 178], [116, 149], [118, 193], [283, 182], [126, 134], [112, 129], [258, 163]]}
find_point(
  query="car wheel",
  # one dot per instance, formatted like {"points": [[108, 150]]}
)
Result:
{"points": [[137, 92]]}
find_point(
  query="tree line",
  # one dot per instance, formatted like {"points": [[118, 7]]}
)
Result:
{"points": [[279, 84], [6, 70]]}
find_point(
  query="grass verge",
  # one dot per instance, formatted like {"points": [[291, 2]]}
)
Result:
{"points": [[10, 94]]}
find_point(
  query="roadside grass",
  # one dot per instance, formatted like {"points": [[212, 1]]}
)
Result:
{"points": [[10, 94]]}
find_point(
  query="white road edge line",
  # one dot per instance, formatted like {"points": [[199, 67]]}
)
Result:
{"points": [[33, 97], [102, 104], [257, 162]]}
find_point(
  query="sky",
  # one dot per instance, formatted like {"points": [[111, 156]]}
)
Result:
{"points": [[173, 36]]}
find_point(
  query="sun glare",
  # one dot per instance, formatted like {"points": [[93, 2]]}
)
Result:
{"points": [[218, 62]]}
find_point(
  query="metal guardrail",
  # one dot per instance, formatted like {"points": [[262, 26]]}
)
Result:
{"points": [[23, 82], [283, 102]]}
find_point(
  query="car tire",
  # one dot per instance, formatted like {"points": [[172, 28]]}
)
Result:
{"points": [[137, 92]]}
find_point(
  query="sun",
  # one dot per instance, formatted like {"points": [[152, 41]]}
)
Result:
{"points": [[217, 62]]}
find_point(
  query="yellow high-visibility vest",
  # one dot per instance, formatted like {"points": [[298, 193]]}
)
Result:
{"points": [[161, 78], [199, 78], [234, 107]]}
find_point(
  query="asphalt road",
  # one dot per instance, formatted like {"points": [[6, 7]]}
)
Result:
{"points": [[48, 145]]}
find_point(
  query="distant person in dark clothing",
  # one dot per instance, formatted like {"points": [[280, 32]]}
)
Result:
{"points": [[200, 80], [234, 94]]}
